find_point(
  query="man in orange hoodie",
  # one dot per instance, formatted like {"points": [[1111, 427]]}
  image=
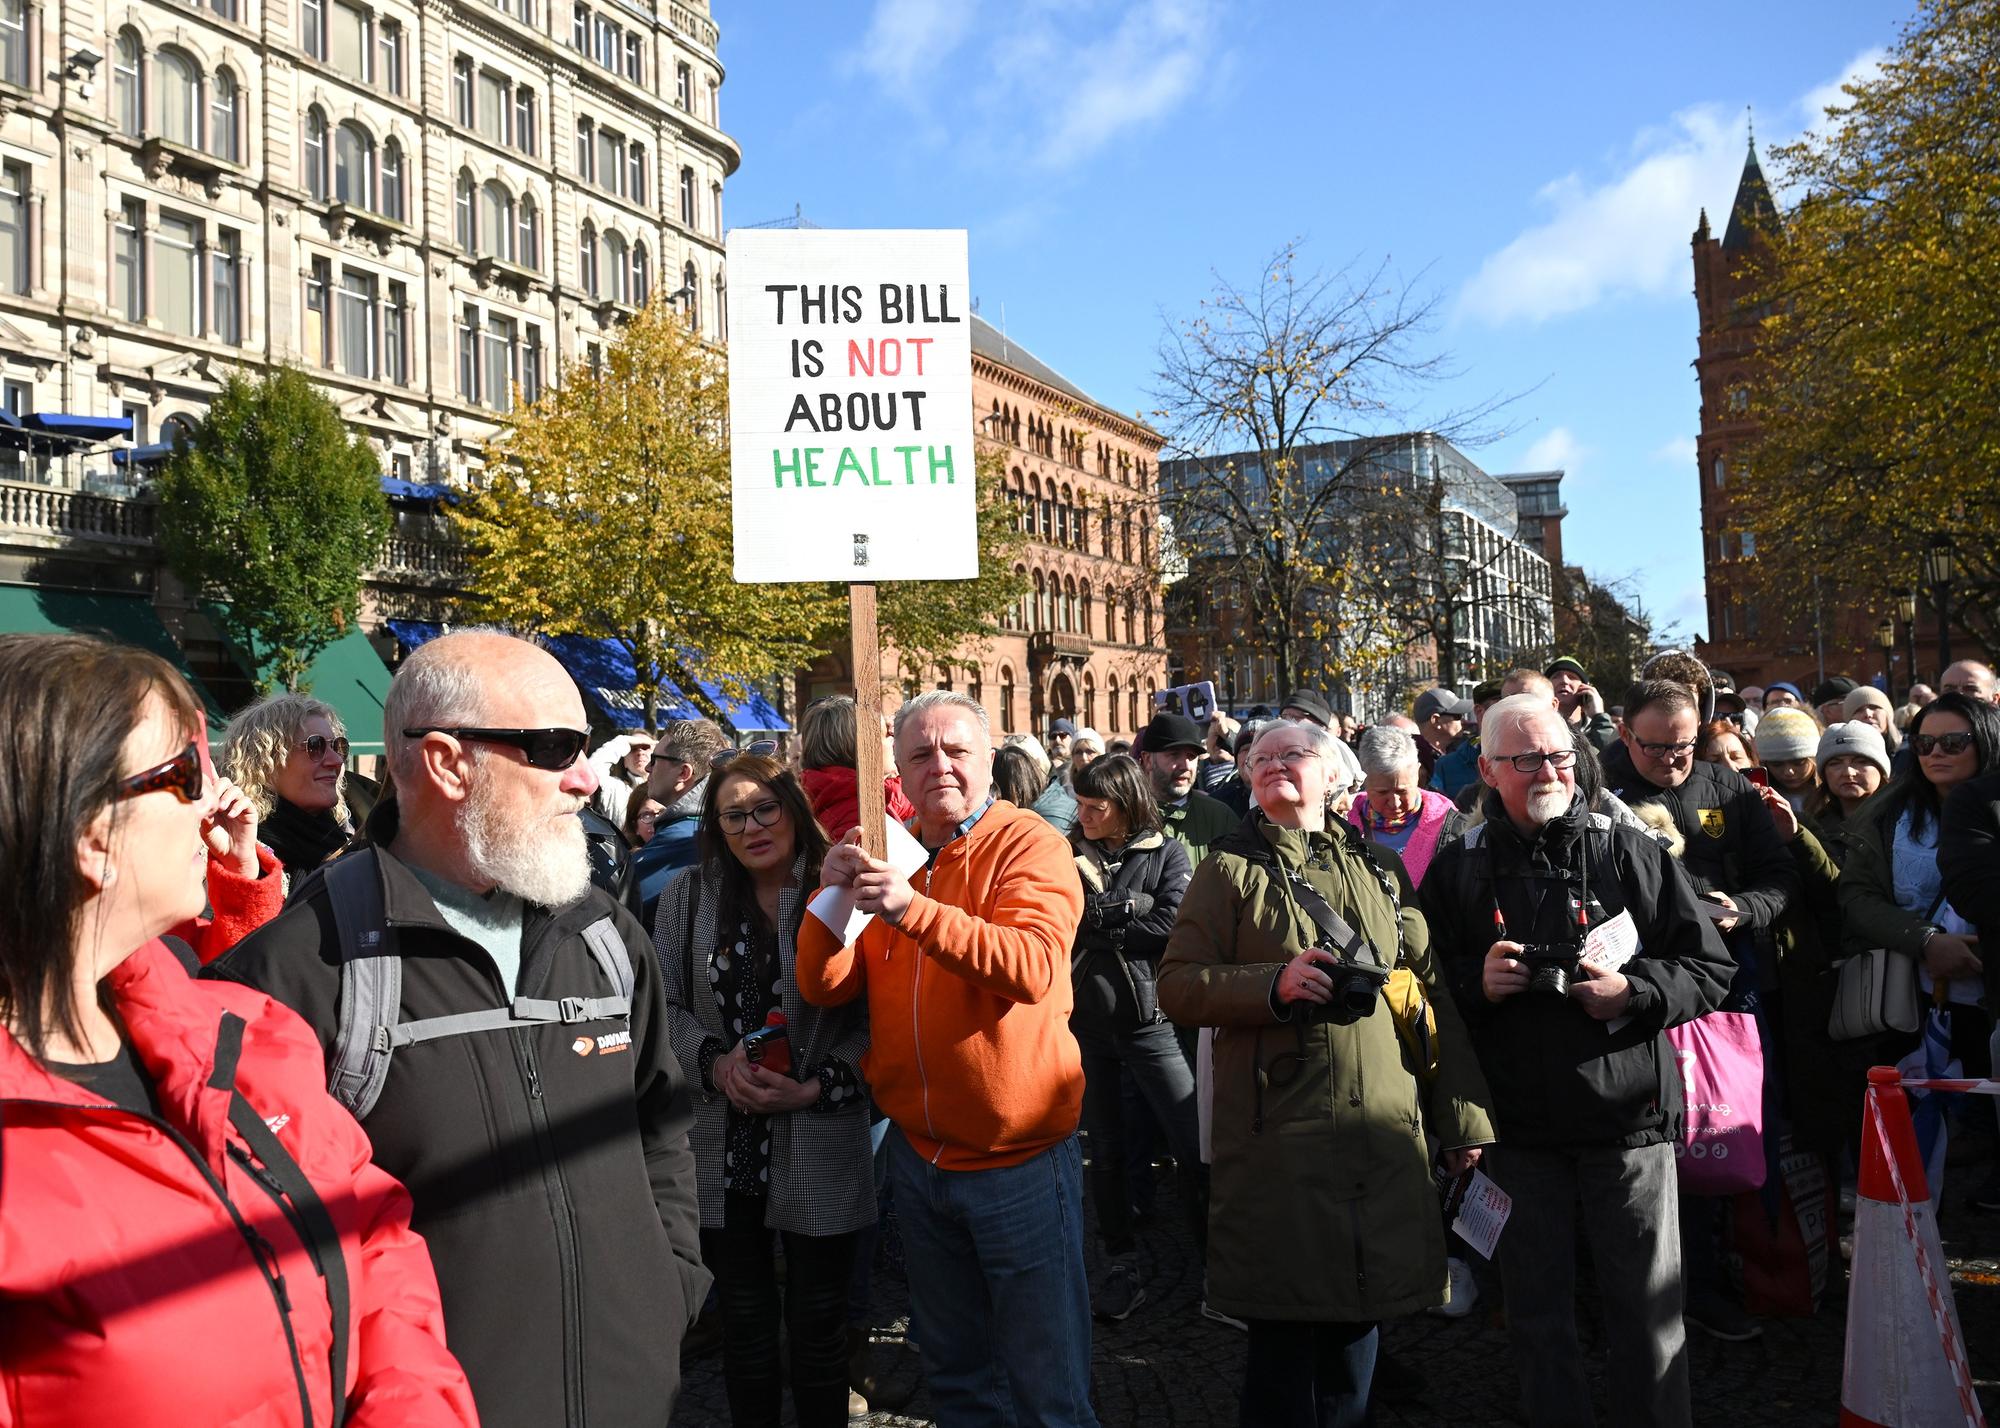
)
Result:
{"points": [[967, 973]]}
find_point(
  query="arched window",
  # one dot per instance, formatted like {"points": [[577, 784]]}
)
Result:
{"points": [[617, 266], [354, 166], [1062, 518], [1069, 605], [462, 221], [1111, 701], [1035, 621], [180, 98], [528, 242], [127, 99], [314, 159], [496, 219], [687, 197], [1149, 623], [1090, 699], [642, 277], [392, 181], [1006, 699], [222, 116], [1083, 609], [691, 281], [1021, 605], [586, 258], [1104, 521], [1132, 704], [721, 308], [1131, 613]]}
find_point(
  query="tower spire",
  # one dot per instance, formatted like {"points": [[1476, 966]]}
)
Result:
{"points": [[1751, 111]]}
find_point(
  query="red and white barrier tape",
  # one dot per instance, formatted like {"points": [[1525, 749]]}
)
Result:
{"points": [[1976, 1088], [1954, 1351]]}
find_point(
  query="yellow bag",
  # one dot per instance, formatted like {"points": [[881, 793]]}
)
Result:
{"points": [[1416, 1023]]}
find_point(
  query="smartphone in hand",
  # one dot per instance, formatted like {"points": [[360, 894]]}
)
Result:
{"points": [[770, 1046], [1758, 775]]}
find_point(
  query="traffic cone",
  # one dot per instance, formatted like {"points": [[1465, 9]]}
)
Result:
{"points": [[1906, 1363]]}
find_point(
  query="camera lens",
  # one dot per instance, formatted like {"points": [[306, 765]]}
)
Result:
{"points": [[1551, 979]]}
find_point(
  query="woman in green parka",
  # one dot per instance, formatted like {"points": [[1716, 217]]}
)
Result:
{"points": [[1322, 1218]]}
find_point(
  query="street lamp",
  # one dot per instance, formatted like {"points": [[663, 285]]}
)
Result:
{"points": [[1940, 567], [1885, 636], [1906, 607]]}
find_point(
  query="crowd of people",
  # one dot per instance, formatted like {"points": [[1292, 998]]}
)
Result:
{"points": [[459, 1097]]}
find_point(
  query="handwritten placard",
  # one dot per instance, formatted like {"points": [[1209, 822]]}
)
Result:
{"points": [[850, 405]]}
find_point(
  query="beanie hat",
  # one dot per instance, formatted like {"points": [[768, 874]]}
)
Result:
{"points": [[1785, 684], [1857, 740], [1866, 694], [1786, 734], [1828, 690], [1569, 663]]}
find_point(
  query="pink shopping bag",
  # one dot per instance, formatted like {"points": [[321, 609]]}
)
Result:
{"points": [[1721, 1151]]}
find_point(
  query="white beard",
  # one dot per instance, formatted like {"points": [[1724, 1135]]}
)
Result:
{"points": [[544, 861], [1545, 806]]}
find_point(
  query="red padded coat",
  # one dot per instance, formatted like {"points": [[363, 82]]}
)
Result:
{"points": [[131, 1289]]}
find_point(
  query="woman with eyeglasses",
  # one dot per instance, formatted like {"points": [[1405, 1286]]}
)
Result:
{"points": [[289, 753], [1891, 893], [781, 1122], [1133, 880], [642, 819], [1318, 1162], [175, 1173]]}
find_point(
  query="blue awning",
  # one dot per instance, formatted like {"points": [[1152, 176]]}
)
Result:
{"points": [[397, 489], [413, 633], [142, 455], [607, 676], [79, 428]]}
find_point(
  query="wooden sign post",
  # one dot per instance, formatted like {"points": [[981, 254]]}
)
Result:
{"points": [[866, 643], [850, 418]]}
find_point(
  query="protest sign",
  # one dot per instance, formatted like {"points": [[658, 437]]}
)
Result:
{"points": [[850, 405]]}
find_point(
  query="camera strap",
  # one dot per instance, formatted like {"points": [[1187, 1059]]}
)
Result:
{"points": [[1343, 939]]}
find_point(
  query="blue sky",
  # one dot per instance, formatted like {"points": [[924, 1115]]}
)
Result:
{"points": [[1540, 167]]}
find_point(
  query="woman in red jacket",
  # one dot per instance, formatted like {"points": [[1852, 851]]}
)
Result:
{"points": [[190, 1228], [826, 759]]}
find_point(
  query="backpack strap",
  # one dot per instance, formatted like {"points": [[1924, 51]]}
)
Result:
{"points": [[609, 949], [309, 1214], [371, 982], [520, 1012]]}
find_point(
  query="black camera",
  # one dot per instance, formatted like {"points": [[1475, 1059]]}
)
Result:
{"points": [[1357, 987], [1550, 968]]}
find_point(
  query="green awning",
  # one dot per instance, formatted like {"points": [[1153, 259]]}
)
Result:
{"points": [[350, 676], [127, 619]]}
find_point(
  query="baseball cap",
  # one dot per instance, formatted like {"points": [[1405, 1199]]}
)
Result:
{"points": [[1172, 731], [1441, 701], [1568, 662], [1828, 690]]}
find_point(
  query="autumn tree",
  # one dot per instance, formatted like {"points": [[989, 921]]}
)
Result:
{"points": [[270, 513], [605, 511], [1277, 401], [1877, 386]]}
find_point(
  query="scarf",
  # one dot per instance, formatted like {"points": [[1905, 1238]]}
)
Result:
{"points": [[302, 840], [1423, 840]]}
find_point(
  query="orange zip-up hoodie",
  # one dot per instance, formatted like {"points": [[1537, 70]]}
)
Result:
{"points": [[969, 999]]}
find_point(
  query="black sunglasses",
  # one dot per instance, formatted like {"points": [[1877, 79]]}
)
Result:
{"points": [[316, 746], [182, 773], [551, 749], [1954, 743], [763, 747]]}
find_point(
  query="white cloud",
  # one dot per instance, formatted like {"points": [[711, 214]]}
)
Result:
{"points": [[1864, 66], [1627, 234], [1676, 451], [1556, 449], [1053, 81]]}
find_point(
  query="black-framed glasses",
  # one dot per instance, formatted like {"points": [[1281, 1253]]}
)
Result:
{"points": [[764, 815], [316, 746], [1668, 753], [762, 747], [551, 749], [1954, 743], [182, 773], [1532, 761]]}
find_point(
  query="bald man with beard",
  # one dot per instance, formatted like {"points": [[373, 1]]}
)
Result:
{"points": [[531, 1103]]}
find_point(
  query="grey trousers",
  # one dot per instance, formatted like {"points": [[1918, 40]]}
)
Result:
{"points": [[1630, 1211]]}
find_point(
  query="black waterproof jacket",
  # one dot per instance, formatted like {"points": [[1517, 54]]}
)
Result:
{"points": [[1732, 845], [1969, 860], [548, 1163], [1130, 899], [1560, 1077]]}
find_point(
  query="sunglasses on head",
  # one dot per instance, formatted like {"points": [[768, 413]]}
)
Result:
{"points": [[182, 773], [316, 746], [1956, 742], [763, 747], [551, 749]]}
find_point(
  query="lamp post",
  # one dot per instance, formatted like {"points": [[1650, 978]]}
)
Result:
{"points": [[1906, 608], [1885, 636], [1940, 567]]}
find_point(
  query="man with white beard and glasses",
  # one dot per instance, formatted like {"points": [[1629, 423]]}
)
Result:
{"points": [[1586, 1090], [497, 1025]]}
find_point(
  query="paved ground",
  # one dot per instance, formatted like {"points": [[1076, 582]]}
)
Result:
{"points": [[1169, 1365]]}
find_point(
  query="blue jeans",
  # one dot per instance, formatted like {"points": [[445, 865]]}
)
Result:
{"points": [[998, 1300], [1299, 1375]]}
